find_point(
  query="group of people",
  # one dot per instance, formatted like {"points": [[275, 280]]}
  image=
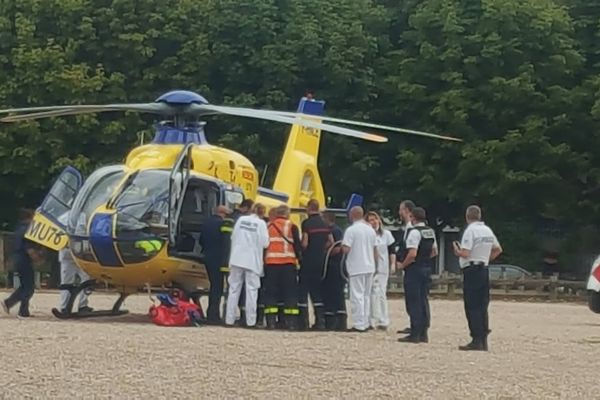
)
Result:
{"points": [[273, 268]]}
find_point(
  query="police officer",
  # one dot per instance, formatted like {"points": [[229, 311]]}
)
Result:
{"points": [[478, 247], [25, 254], [316, 238], [214, 238], [405, 211], [417, 265], [334, 282], [280, 270]]}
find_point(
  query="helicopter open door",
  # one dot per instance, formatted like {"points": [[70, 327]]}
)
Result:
{"points": [[49, 223], [178, 182]]}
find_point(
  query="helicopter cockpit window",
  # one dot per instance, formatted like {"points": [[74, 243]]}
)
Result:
{"points": [[143, 203], [96, 191]]}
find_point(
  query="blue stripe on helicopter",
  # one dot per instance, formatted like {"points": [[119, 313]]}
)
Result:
{"points": [[312, 107], [102, 242], [273, 194]]}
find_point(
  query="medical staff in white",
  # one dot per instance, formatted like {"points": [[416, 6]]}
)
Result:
{"points": [[478, 247], [249, 239], [361, 257], [69, 271], [384, 241]]}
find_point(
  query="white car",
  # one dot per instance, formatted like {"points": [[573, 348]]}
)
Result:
{"points": [[593, 287]]}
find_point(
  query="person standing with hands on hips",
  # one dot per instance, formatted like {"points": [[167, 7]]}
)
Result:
{"points": [[359, 245], [405, 211], [478, 247], [417, 265]]}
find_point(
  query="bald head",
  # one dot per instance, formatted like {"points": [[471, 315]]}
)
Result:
{"points": [[473, 214], [222, 211], [356, 213]]}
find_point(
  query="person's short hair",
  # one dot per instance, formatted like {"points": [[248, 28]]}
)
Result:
{"points": [[247, 203], [25, 214], [408, 204], [419, 214], [260, 209], [473, 213], [282, 211], [329, 216], [313, 205]]}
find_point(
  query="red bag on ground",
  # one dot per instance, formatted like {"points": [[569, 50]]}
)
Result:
{"points": [[174, 312]]}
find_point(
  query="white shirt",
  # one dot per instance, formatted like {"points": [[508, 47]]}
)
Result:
{"points": [[414, 237], [360, 238], [407, 226], [248, 241], [479, 239], [383, 257]]}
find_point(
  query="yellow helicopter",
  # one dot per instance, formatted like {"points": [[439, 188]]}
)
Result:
{"points": [[135, 225]]}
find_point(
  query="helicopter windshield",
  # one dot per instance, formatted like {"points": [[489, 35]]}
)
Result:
{"points": [[96, 191], [143, 202]]}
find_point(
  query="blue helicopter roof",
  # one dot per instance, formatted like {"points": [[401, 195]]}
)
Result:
{"points": [[181, 97]]}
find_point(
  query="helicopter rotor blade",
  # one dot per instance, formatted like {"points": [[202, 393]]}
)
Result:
{"points": [[58, 111], [370, 125], [273, 116]]}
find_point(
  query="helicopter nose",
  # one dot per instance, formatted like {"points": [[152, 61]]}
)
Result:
{"points": [[181, 97]]}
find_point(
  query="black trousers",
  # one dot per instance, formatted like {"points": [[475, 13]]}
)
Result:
{"points": [[417, 280], [476, 294], [280, 283], [310, 284], [25, 291], [216, 278], [333, 291]]}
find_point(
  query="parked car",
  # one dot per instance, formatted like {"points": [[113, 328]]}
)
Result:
{"points": [[505, 271]]}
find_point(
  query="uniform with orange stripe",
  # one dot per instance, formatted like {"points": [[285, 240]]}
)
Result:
{"points": [[280, 269]]}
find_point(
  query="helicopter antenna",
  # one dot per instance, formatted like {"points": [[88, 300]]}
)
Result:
{"points": [[264, 175]]}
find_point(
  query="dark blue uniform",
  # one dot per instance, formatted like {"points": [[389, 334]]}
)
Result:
{"points": [[311, 272], [333, 287], [417, 281], [24, 267], [215, 242]]}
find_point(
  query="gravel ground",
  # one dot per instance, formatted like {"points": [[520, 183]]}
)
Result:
{"points": [[537, 351]]}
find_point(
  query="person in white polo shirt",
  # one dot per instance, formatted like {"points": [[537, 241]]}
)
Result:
{"points": [[359, 244], [478, 247]]}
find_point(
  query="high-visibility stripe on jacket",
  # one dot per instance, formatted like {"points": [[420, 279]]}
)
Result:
{"points": [[280, 250]]}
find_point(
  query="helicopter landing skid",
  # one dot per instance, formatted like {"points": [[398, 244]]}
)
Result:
{"points": [[79, 315]]}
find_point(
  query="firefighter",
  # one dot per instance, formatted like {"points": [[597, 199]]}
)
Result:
{"points": [[280, 269], [214, 239], [316, 239]]}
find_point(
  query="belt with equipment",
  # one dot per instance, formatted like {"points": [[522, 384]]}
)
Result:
{"points": [[475, 264]]}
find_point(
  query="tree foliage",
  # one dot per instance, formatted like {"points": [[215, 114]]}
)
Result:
{"points": [[516, 79]]}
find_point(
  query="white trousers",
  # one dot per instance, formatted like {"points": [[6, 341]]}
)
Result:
{"points": [[379, 304], [237, 277], [360, 300], [69, 271]]}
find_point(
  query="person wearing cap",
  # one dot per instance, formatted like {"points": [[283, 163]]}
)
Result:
{"points": [[214, 238], [417, 266], [477, 248]]}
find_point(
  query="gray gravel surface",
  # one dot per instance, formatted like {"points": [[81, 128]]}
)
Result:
{"points": [[537, 351]]}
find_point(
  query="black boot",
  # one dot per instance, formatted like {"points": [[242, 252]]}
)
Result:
{"points": [[330, 322], [291, 322], [424, 337], [303, 319], [410, 339], [271, 321], [260, 316], [281, 320], [341, 322], [319, 319], [477, 344]]}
